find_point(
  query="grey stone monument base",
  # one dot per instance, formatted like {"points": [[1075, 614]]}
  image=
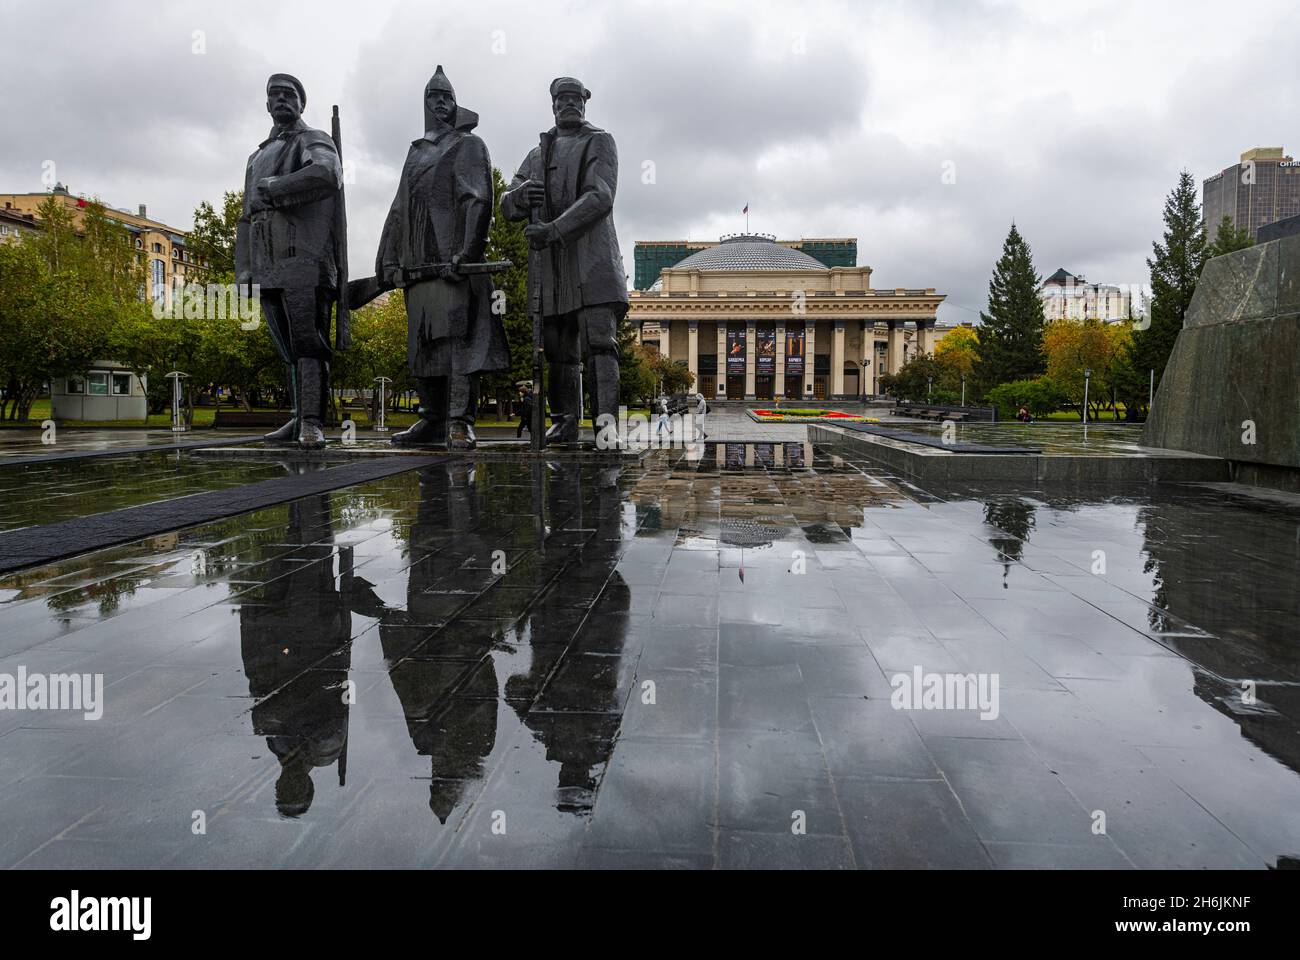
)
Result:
{"points": [[927, 463], [1232, 386]]}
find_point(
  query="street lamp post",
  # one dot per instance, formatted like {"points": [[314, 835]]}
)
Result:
{"points": [[1087, 376], [382, 381], [175, 378], [963, 389]]}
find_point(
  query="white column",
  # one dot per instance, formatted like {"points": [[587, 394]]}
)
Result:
{"points": [[693, 350], [750, 350], [720, 376], [837, 359], [778, 381], [809, 356], [895, 346], [924, 336], [866, 345]]}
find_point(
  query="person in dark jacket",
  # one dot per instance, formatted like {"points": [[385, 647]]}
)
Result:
{"points": [[441, 215], [525, 412]]}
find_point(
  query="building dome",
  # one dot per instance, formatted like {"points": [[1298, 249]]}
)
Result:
{"points": [[749, 252]]}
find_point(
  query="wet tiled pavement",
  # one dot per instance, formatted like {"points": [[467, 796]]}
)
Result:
{"points": [[683, 662], [41, 493]]}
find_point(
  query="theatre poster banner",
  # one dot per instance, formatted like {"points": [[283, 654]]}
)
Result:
{"points": [[794, 352], [735, 351], [765, 352]]}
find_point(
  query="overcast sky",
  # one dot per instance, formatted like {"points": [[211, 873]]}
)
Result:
{"points": [[828, 119]]}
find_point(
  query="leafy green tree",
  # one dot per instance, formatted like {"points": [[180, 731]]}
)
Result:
{"points": [[637, 378], [917, 380], [670, 376], [1011, 332], [959, 350], [67, 294], [1228, 238], [212, 240], [378, 350], [1040, 396], [1175, 268], [1075, 346], [506, 242]]}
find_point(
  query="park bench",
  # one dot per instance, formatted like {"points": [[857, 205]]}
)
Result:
{"points": [[235, 419]]}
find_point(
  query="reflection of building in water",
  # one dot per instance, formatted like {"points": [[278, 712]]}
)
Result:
{"points": [[294, 632], [762, 485]]}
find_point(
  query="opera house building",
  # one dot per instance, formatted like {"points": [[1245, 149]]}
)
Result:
{"points": [[755, 318]]}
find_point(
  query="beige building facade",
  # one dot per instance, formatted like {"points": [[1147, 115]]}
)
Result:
{"points": [[164, 248], [757, 320]]}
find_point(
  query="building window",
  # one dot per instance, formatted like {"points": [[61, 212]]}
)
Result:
{"points": [[157, 248], [139, 244], [121, 384], [158, 270], [97, 384], [76, 385]]}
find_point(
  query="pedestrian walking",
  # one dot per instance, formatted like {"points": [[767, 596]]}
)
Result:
{"points": [[525, 412], [661, 420], [701, 409]]}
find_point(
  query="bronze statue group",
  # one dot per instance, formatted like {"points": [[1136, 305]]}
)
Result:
{"points": [[291, 242]]}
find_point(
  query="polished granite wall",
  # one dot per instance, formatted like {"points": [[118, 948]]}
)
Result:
{"points": [[1237, 359]]}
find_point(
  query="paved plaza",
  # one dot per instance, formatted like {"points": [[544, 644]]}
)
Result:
{"points": [[689, 659]]}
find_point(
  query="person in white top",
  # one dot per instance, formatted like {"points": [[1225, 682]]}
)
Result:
{"points": [[661, 421], [701, 408]]}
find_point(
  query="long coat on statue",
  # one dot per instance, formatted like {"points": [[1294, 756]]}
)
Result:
{"points": [[443, 207], [585, 268]]}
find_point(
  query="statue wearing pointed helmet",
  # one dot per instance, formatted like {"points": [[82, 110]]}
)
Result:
{"points": [[441, 215]]}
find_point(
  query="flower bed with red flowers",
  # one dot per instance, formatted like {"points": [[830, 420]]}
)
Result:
{"points": [[806, 415]]}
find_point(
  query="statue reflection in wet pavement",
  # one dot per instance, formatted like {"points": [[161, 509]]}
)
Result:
{"points": [[444, 675], [569, 696], [294, 633], [548, 638]]}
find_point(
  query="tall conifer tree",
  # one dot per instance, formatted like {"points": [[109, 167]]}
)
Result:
{"points": [[1011, 333], [1174, 271]]}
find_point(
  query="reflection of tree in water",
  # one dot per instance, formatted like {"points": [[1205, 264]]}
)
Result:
{"points": [[1015, 517]]}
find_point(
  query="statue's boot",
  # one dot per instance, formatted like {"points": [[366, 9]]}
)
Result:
{"points": [[423, 433], [431, 429], [312, 385], [462, 402], [286, 434], [312, 436], [566, 402], [462, 436]]}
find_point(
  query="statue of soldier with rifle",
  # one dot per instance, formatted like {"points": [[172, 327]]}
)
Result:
{"points": [[291, 241], [432, 247], [565, 187]]}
